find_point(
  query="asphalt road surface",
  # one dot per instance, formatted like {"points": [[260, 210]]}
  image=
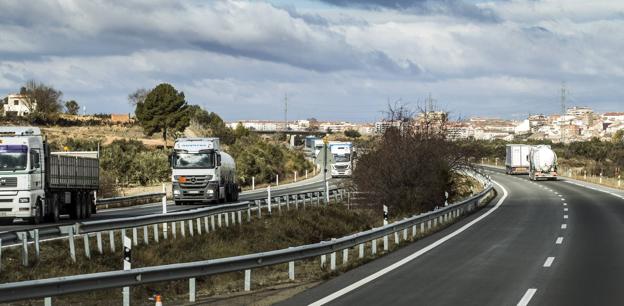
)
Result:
{"points": [[547, 243]]}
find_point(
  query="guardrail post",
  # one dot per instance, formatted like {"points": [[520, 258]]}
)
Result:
{"points": [[134, 236], [192, 289], [233, 214], [182, 229], [87, 248], [47, 301], [396, 238], [332, 261], [98, 239], [190, 225], [127, 257], [345, 256], [279, 205], [156, 233], [145, 234], [206, 225], [240, 217], [72, 247], [226, 219], [24, 238], [374, 246], [174, 230], [219, 220], [165, 230], [277, 180], [405, 233], [361, 249], [198, 221], [287, 198], [212, 223], [291, 270], [295, 176], [323, 260], [249, 212], [111, 239], [247, 280], [36, 237], [259, 208]]}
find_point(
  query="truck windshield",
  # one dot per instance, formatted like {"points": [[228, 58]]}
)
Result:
{"points": [[193, 160], [13, 157], [342, 158]]}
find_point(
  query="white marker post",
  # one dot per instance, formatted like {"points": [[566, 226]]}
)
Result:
{"points": [[253, 183], [277, 180], [268, 199], [295, 176], [385, 222], [164, 200], [127, 254]]}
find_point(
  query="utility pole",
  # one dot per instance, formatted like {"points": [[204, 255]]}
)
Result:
{"points": [[285, 112]]}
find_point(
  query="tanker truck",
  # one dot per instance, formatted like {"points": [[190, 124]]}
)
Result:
{"points": [[202, 173], [542, 163], [39, 185]]}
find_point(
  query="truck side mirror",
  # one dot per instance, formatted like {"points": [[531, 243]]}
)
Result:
{"points": [[218, 159]]}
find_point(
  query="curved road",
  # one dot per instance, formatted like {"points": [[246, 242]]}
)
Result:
{"points": [[548, 243]]}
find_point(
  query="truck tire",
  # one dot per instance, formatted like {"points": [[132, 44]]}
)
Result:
{"points": [[6, 221], [87, 205], [54, 213], [38, 213], [75, 211]]}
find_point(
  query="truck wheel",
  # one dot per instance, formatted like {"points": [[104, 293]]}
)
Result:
{"points": [[76, 212], [87, 205], [54, 214], [6, 221], [38, 213]]}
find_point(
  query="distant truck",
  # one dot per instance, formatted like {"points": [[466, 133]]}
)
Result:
{"points": [[39, 185], [202, 173], [318, 146], [543, 163], [517, 159], [341, 158]]}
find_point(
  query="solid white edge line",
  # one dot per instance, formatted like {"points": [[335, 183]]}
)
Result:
{"points": [[526, 298], [411, 257], [549, 262]]}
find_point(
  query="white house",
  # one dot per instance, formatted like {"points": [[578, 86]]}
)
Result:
{"points": [[17, 105]]}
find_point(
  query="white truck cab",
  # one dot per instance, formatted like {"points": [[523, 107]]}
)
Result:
{"points": [[342, 159], [201, 172]]}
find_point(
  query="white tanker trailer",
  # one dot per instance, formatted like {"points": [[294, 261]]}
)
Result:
{"points": [[542, 163]]}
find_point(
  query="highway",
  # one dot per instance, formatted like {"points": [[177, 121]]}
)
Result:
{"points": [[312, 184], [537, 243]]}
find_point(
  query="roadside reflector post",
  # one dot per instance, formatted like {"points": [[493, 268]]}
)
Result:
{"points": [[24, 238], [269, 198], [291, 270], [192, 289], [385, 222], [72, 247], [164, 199], [36, 237], [127, 258], [277, 180], [295, 176], [306, 176], [253, 183], [247, 280]]}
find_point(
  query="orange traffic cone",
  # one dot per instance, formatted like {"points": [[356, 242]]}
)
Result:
{"points": [[158, 300]]}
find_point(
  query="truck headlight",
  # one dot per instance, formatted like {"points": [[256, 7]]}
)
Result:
{"points": [[209, 191], [24, 200]]}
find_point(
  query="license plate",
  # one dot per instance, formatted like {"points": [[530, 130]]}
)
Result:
{"points": [[194, 192]]}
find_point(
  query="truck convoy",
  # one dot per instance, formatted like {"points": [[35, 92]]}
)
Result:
{"points": [[542, 163], [341, 158], [37, 184], [201, 172], [517, 159]]}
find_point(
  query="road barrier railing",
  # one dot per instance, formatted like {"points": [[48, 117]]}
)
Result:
{"points": [[123, 199], [115, 279]]}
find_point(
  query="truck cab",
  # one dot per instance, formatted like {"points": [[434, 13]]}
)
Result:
{"points": [[201, 172], [22, 178], [342, 159]]}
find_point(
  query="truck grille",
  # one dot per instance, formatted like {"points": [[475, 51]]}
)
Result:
{"points": [[341, 167], [8, 181], [195, 182]]}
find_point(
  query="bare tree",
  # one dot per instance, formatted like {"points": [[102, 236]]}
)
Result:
{"points": [[41, 98]]}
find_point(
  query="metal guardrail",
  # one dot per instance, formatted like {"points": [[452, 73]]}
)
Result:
{"points": [[107, 201], [115, 279]]}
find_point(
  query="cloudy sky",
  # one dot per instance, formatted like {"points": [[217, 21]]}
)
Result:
{"points": [[335, 59]]}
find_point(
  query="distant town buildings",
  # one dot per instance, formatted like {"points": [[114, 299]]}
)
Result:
{"points": [[577, 124]]}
